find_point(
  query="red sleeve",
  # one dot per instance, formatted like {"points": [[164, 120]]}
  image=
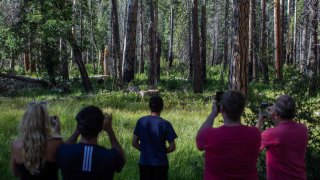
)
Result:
{"points": [[201, 139], [267, 139]]}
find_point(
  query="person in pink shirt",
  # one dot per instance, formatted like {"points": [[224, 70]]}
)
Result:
{"points": [[231, 150], [286, 143]]}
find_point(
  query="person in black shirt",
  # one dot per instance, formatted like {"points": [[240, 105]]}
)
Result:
{"points": [[33, 152], [87, 159]]}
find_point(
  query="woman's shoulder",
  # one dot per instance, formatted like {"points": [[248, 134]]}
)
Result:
{"points": [[54, 141]]}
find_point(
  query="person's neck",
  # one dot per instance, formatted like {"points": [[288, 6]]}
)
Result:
{"points": [[281, 121], [231, 123], [93, 140], [155, 113]]}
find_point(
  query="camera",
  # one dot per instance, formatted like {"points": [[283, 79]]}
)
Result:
{"points": [[218, 98], [264, 108], [53, 120]]}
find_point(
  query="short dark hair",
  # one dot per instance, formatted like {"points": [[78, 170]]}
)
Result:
{"points": [[285, 106], [233, 103], [90, 121], [156, 104]]}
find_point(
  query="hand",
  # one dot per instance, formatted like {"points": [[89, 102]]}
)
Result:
{"points": [[214, 110], [55, 122], [107, 123]]}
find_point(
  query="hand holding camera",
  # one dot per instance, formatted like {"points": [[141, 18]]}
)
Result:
{"points": [[55, 123], [107, 123]]}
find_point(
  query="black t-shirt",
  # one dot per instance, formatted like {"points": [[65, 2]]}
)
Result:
{"points": [[87, 161], [48, 171]]}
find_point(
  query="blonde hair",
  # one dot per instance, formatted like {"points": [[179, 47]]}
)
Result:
{"points": [[34, 130]]}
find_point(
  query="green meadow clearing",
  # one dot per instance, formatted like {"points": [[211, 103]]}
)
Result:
{"points": [[185, 110]]}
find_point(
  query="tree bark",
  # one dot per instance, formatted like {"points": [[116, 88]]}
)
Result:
{"points": [[116, 48], [253, 42], [197, 82], [141, 39], [78, 59], [130, 43], [64, 60], [226, 36], [238, 78], [313, 47], [203, 44], [190, 41], [152, 77], [295, 32], [277, 39], [170, 55], [305, 34]]}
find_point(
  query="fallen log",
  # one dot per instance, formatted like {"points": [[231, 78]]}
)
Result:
{"points": [[43, 83]]}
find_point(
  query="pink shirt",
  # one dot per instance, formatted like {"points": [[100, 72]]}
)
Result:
{"points": [[230, 152], [286, 146]]}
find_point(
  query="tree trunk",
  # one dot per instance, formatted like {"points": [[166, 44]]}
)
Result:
{"points": [[116, 48], [197, 82], [289, 52], [170, 55], [64, 60], [158, 55], [295, 32], [130, 43], [305, 34], [78, 59], [238, 78], [26, 61], [277, 39], [253, 42], [313, 47], [226, 37], [152, 77], [141, 39], [203, 44], [190, 41]]}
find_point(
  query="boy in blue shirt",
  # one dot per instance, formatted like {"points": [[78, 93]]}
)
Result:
{"points": [[150, 136]]}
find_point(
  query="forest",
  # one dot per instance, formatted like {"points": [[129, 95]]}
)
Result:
{"points": [[114, 53]]}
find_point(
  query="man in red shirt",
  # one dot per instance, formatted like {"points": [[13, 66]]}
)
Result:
{"points": [[286, 143], [231, 150]]}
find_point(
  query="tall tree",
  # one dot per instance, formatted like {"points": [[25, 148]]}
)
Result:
{"points": [[141, 38], [226, 37], [116, 40], [313, 47], [197, 82], [289, 39], [190, 40], [152, 77], [130, 42], [305, 37], [253, 42], [203, 44], [238, 77], [170, 55], [277, 40]]}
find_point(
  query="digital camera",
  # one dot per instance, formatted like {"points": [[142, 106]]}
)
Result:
{"points": [[264, 108], [218, 98]]}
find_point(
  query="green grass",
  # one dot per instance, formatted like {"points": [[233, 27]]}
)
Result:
{"points": [[185, 162], [185, 110]]}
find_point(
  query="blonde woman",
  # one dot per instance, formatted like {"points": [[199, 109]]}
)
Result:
{"points": [[33, 153]]}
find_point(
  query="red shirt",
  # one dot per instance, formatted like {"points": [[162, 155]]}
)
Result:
{"points": [[230, 152], [286, 146]]}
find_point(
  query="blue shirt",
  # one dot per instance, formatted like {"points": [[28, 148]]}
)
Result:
{"points": [[87, 161], [153, 132]]}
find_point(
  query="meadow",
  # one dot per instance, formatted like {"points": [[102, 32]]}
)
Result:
{"points": [[185, 110]]}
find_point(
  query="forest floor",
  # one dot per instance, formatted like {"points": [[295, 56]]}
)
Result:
{"points": [[185, 110]]}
